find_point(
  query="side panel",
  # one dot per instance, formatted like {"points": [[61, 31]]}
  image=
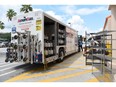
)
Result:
{"points": [[71, 41]]}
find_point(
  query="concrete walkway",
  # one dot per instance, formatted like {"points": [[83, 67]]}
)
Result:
{"points": [[72, 69]]}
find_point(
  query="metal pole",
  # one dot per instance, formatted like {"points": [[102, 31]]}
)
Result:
{"points": [[92, 56], [111, 51], [103, 60]]}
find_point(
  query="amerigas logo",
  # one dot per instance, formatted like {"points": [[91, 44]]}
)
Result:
{"points": [[25, 19]]}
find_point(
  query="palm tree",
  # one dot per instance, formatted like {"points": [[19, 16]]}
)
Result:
{"points": [[10, 14], [1, 25], [26, 8]]}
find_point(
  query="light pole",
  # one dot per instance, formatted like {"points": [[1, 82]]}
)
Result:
{"points": [[69, 24]]}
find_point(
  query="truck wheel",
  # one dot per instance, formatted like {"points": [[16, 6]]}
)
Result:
{"points": [[6, 60], [61, 56]]}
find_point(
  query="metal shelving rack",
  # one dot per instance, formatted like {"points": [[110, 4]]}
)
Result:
{"points": [[102, 54]]}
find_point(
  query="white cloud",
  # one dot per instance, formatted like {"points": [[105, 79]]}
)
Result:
{"points": [[75, 20], [4, 19], [87, 11], [53, 14], [69, 9], [100, 29], [78, 24], [83, 11], [36, 9], [6, 30]]}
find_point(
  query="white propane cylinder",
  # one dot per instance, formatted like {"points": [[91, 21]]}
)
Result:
{"points": [[49, 44], [45, 44], [59, 30], [51, 51], [48, 52]]}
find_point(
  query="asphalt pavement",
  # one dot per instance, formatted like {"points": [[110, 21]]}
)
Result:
{"points": [[72, 69]]}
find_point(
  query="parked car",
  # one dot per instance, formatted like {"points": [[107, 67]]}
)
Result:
{"points": [[4, 44]]}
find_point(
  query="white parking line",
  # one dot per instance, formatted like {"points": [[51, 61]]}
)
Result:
{"points": [[3, 63], [8, 64], [10, 67], [7, 73]]}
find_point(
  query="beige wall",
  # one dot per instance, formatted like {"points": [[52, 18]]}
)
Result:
{"points": [[113, 27], [108, 24]]}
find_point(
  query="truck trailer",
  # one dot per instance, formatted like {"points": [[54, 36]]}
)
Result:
{"points": [[37, 37]]}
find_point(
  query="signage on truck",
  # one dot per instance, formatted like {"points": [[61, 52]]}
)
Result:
{"points": [[25, 23], [14, 29], [25, 19], [38, 25]]}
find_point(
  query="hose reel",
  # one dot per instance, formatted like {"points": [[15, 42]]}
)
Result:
{"points": [[24, 46], [15, 46], [16, 37], [24, 36]]}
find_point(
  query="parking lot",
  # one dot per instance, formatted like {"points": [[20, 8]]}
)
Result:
{"points": [[72, 69]]}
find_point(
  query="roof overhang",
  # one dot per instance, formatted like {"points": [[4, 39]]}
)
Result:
{"points": [[109, 8], [106, 21]]}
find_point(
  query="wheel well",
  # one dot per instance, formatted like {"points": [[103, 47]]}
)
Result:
{"points": [[62, 49]]}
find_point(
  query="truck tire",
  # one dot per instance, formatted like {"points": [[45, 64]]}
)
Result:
{"points": [[6, 60], [61, 56]]}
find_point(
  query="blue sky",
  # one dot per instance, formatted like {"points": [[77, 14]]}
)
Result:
{"points": [[89, 18]]}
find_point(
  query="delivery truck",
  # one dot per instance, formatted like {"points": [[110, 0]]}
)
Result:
{"points": [[37, 37]]}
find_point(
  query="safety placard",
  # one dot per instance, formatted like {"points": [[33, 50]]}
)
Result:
{"points": [[38, 25]]}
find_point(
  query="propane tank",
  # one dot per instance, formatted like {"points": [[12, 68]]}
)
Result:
{"points": [[45, 43], [24, 46], [49, 51], [59, 30], [48, 44], [15, 46], [51, 44], [52, 51], [24, 36], [16, 37]]}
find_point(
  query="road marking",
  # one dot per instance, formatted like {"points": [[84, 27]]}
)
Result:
{"points": [[7, 73], [8, 64], [24, 76], [92, 80], [9, 67], [64, 65], [73, 63], [13, 71], [66, 76], [3, 63], [21, 76]]}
